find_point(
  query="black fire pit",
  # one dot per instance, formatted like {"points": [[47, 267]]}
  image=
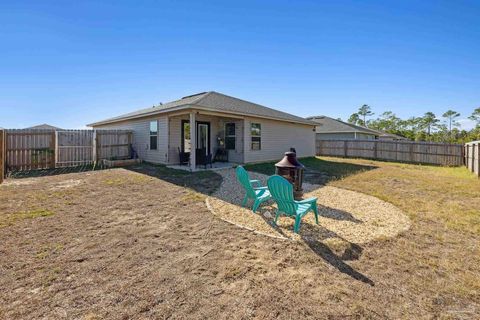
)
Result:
{"points": [[292, 170]]}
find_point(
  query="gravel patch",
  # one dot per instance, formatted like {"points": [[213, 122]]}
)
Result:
{"points": [[343, 214]]}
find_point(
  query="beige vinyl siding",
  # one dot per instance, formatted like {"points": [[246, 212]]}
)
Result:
{"points": [[141, 137], [277, 137], [236, 155]]}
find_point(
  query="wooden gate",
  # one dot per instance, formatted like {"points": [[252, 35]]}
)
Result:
{"points": [[74, 148]]}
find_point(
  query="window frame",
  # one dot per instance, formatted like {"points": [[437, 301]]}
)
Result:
{"points": [[234, 136], [257, 138], [154, 135]]}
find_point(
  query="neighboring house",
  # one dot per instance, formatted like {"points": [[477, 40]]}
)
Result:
{"points": [[248, 131], [44, 127], [389, 136], [333, 129]]}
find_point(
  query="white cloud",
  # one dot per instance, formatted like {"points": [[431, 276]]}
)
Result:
{"points": [[466, 124]]}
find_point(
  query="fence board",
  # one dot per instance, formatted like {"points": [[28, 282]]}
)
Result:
{"points": [[2, 155], [403, 151], [74, 148], [31, 149], [472, 157]]}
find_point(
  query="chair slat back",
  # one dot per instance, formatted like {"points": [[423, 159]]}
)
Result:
{"points": [[242, 176], [282, 192]]}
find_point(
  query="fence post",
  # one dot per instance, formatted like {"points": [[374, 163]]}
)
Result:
{"points": [[55, 151], [94, 148], [130, 141], [2, 155], [345, 148], [478, 158], [375, 146]]}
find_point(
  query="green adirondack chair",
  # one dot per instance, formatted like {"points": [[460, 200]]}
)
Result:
{"points": [[253, 189], [282, 193]]}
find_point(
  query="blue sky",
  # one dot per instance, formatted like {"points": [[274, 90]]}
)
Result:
{"points": [[72, 63]]}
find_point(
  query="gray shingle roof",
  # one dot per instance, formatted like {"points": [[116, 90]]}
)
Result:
{"points": [[329, 125], [44, 127], [213, 101]]}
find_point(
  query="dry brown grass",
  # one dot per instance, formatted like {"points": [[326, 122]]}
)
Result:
{"points": [[145, 246]]}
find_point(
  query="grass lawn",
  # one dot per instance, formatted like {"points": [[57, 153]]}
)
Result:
{"points": [[140, 243]]}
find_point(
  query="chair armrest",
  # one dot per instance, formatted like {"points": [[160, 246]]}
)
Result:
{"points": [[256, 181], [309, 200]]}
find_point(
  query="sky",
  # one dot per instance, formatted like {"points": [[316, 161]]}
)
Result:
{"points": [[70, 63]]}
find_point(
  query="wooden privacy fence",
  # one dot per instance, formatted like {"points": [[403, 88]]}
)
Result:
{"points": [[472, 157], [403, 151], [31, 149], [2, 155]]}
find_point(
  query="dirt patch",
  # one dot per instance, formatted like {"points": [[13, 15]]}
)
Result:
{"points": [[66, 184]]}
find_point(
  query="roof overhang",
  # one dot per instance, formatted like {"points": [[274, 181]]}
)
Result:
{"points": [[201, 108]]}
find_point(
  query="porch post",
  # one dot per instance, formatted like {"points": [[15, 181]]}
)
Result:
{"points": [[193, 141]]}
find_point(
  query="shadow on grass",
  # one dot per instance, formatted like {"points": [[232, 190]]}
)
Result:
{"points": [[317, 170], [353, 252], [52, 172], [205, 182]]}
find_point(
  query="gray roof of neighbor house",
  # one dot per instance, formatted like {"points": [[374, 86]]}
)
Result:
{"points": [[212, 101], [44, 127], [329, 125]]}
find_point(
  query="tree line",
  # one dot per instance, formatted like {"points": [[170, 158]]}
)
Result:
{"points": [[428, 127]]}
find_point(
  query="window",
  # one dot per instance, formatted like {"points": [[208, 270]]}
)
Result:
{"points": [[230, 136], [153, 135], [256, 133]]}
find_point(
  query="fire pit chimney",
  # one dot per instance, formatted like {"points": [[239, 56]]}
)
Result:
{"points": [[292, 170]]}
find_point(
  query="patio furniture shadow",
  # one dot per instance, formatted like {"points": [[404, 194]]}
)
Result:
{"points": [[336, 214], [310, 236], [317, 170], [353, 252]]}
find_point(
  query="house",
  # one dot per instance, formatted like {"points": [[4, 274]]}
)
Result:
{"points": [[333, 129], [246, 131], [389, 136], [44, 127]]}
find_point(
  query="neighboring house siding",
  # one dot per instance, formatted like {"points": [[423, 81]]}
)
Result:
{"points": [[141, 137], [278, 137], [343, 136]]}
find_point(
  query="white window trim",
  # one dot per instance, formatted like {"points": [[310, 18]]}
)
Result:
{"points": [[230, 136]]}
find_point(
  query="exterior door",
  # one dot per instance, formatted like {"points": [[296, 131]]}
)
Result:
{"points": [[203, 137]]}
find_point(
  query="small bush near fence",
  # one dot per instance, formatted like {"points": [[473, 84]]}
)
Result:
{"points": [[402, 151]]}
